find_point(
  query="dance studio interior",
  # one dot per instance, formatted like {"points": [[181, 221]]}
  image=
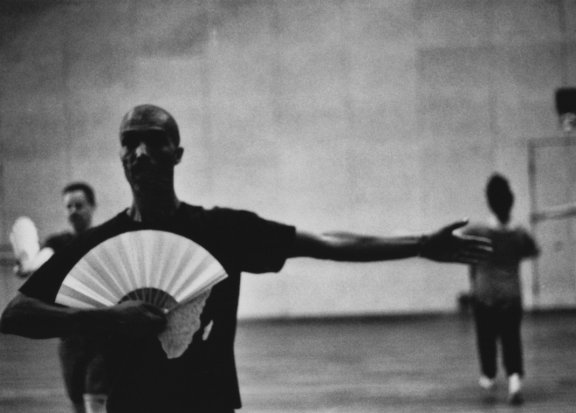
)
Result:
{"points": [[377, 117]]}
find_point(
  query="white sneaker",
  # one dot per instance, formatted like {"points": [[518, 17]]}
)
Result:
{"points": [[515, 389], [487, 383]]}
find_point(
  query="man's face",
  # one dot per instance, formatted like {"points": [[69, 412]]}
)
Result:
{"points": [[148, 157], [79, 210]]}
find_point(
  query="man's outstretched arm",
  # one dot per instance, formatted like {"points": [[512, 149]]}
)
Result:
{"points": [[33, 318], [444, 245]]}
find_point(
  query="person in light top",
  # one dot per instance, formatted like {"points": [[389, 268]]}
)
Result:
{"points": [[496, 289]]}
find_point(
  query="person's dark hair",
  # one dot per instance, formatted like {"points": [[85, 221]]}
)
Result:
{"points": [[84, 187], [500, 197], [150, 117]]}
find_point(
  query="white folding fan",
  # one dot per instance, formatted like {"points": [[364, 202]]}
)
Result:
{"points": [[161, 268]]}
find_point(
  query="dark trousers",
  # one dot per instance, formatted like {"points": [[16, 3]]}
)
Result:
{"points": [[499, 324], [83, 367]]}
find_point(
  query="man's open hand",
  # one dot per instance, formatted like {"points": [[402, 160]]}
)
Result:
{"points": [[445, 245]]}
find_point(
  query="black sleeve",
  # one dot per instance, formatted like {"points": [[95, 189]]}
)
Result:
{"points": [[45, 282], [59, 241], [530, 248], [255, 244]]}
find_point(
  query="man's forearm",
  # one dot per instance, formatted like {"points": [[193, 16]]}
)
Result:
{"points": [[33, 318], [342, 246]]}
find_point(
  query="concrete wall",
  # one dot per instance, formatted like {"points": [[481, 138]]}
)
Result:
{"points": [[374, 116]]}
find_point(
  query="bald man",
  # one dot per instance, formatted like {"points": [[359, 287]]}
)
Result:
{"points": [[204, 378]]}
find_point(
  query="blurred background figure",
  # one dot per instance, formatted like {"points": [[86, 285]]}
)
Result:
{"points": [[81, 360], [80, 357], [496, 289], [80, 203]]}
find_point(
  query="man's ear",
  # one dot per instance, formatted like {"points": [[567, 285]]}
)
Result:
{"points": [[179, 153]]}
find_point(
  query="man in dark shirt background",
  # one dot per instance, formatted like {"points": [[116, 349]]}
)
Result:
{"points": [[81, 358], [81, 361]]}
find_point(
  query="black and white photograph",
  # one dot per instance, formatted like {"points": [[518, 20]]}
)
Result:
{"points": [[287, 206]]}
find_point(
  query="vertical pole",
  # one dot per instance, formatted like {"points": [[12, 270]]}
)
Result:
{"points": [[532, 147]]}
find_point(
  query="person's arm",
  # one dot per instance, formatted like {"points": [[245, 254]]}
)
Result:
{"points": [[33, 318], [555, 212], [443, 245]]}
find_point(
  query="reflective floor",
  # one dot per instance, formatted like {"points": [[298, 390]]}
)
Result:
{"points": [[419, 364]]}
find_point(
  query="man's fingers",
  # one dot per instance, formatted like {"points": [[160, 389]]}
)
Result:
{"points": [[475, 239], [477, 254], [450, 245], [455, 225], [154, 310], [478, 243], [480, 249], [468, 259]]}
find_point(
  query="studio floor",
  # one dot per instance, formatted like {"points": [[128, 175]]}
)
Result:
{"points": [[415, 364]]}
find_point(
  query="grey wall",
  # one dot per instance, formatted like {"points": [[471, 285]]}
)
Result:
{"points": [[376, 116]]}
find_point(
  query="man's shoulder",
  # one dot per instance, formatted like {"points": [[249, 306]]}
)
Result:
{"points": [[107, 229], [60, 237], [216, 212]]}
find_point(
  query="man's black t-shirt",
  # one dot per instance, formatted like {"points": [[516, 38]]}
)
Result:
{"points": [[205, 375]]}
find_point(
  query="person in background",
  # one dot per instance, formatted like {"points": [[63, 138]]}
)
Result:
{"points": [[496, 289], [80, 358], [204, 378]]}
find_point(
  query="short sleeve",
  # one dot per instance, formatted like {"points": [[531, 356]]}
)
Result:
{"points": [[529, 245], [255, 244], [45, 282]]}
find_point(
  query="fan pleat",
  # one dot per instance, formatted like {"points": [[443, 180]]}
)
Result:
{"points": [[89, 301], [104, 263], [75, 302], [145, 244], [172, 252], [85, 290], [181, 263], [200, 284], [127, 254], [185, 287], [84, 279], [157, 269]]}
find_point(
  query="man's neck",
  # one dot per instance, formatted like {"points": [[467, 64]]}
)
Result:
{"points": [[153, 207], [80, 230]]}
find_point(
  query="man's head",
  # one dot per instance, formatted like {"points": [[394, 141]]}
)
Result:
{"points": [[80, 203], [150, 143], [149, 117], [500, 197]]}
